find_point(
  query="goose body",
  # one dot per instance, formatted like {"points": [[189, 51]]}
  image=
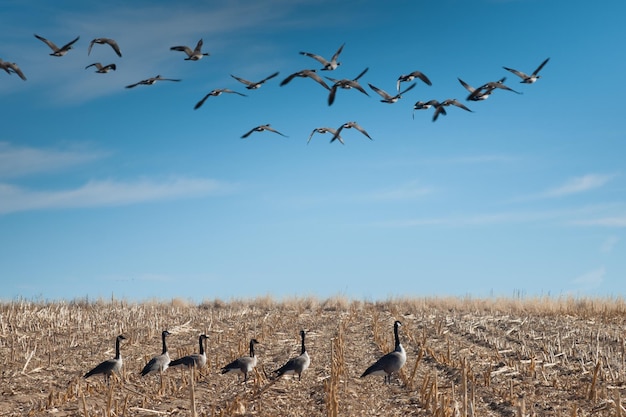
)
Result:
{"points": [[528, 79], [108, 367], [297, 365], [160, 362], [391, 362], [192, 54], [327, 65], [195, 359], [105, 41], [243, 365], [261, 128], [56, 51]]}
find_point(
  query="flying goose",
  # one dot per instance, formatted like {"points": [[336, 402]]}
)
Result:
{"points": [[484, 91], [150, 81], [439, 107], [244, 364], [391, 362], [345, 84], [261, 128], [250, 85], [388, 98], [349, 125], [56, 51], [424, 105], [528, 79], [295, 365], [411, 76], [325, 130], [305, 73], [195, 359], [194, 55], [11, 67], [160, 362], [109, 366], [102, 69], [215, 93], [105, 41], [327, 65]]}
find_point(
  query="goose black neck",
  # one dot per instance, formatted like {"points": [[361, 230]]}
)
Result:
{"points": [[201, 342], [303, 348], [395, 332], [164, 345], [252, 349], [117, 348]]}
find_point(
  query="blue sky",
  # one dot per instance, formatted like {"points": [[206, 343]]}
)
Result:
{"points": [[107, 190]]}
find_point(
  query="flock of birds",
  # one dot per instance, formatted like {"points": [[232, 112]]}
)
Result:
{"points": [[385, 366], [333, 85]]}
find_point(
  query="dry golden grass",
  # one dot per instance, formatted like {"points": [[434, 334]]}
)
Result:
{"points": [[466, 357]]}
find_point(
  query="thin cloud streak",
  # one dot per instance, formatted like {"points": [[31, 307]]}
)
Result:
{"points": [[18, 161], [107, 193]]}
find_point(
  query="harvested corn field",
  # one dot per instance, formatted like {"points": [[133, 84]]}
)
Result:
{"points": [[465, 357]]}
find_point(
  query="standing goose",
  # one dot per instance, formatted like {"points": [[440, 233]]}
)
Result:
{"points": [[105, 41], [327, 65], [194, 55], [244, 364], [56, 51], [160, 362], [295, 365], [388, 98], [391, 362], [109, 366], [528, 79], [252, 85], [195, 359]]}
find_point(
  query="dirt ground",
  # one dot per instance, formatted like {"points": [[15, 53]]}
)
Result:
{"points": [[465, 357]]}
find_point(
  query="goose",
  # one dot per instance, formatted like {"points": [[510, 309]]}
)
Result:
{"points": [[439, 107], [350, 125], [528, 79], [261, 128], [295, 365], [102, 69], [194, 55], [305, 73], [250, 85], [345, 84], [56, 51], [150, 81], [388, 98], [391, 362], [105, 41], [327, 65], [325, 130], [215, 93], [195, 359], [109, 366], [244, 364], [160, 362], [411, 76], [483, 92], [10, 67], [424, 105]]}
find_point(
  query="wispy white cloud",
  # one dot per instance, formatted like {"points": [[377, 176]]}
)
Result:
{"points": [[610, 243], [590, 280], [17, 161], [609, 221], [579, 185], [107, 193]]}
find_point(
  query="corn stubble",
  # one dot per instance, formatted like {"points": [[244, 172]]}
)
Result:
{"points": [[466, 357]]}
